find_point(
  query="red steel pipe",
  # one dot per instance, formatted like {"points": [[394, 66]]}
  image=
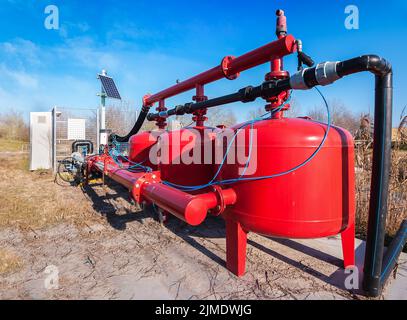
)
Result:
{"points": [[190, 208], [122, 176], [275, 49]]}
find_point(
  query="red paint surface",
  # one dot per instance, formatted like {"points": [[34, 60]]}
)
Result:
{"points": [[139, 148], [278, 48], [176, 171], [317, 200]]}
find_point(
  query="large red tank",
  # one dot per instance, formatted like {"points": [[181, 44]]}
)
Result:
{"points": [[176, 162], [316, 200], [139, 148]]}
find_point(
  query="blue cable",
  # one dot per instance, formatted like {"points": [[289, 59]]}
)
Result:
{"points": [[298, 166], [116, 154], [134, 165], [212, 181], [229, 181]]}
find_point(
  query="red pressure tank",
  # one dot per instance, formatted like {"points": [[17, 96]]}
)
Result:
{"points": [[317, 200], [139, 148], [177, 163]]}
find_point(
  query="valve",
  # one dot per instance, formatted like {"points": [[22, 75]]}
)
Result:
{"points": [[281, 26], [302, 57]]}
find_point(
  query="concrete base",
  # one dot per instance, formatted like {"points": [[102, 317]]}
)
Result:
{"points": [[327, 249]]}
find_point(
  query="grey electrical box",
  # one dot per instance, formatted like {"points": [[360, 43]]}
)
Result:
{"points": [[41, 140]]}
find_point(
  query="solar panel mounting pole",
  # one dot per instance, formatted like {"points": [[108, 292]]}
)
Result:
{"points": [[102, 114]]}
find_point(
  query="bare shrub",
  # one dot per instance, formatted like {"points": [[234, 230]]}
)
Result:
{"points": [[397, 202], [401, 133], [13, 126]]}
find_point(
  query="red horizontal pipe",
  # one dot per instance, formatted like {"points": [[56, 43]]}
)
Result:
{"points": [[190, 208], [275, 49], [278, 48], [122, 176]]}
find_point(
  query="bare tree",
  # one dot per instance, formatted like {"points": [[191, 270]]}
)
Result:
{"points": [[220, 116], [255, 113], [13, 126], [340, 116], [121, 117]]}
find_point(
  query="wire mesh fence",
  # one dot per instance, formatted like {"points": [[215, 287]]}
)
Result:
{"points": [[120, 118], [70, 125]]}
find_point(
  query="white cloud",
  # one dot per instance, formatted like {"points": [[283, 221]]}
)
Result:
{"points": [[37, 77], [23, 79]]}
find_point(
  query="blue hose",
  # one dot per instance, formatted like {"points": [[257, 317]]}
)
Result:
{"points": [[115, 154]]}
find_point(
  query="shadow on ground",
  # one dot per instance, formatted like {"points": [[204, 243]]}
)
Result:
{"points": [[120, 213]]}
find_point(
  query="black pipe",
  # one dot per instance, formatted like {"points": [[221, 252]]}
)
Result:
{"points": [[393, 252], [136, 128], [247, 94], [80, 143], [327, 73], [379, 185]]}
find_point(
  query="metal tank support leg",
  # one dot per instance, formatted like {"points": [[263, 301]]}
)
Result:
{"points": [[236, 240], [348, 246]]}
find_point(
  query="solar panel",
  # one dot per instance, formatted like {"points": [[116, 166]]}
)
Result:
{"points": [[109, 87]]}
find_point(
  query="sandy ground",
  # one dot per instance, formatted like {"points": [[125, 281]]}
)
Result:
{"points": [[124, 253]]}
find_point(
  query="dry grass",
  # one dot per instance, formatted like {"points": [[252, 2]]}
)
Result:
{"points": [[397, 202], [32, 199], [12, 145], [9, 262]]}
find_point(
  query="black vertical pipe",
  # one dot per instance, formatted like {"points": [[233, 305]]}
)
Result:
{"points": [[373, 264], [379, 185]]}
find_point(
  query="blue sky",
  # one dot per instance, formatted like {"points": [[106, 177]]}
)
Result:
{"points": [[147, 45]]}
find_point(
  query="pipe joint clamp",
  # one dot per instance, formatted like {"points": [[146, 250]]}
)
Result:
{"points": [[297, 80], [325, 73]]}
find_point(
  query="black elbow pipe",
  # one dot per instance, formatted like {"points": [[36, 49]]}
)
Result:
{"points": [[136, 128], [373, 264], [393, 252], [326, 73], [82, 143]]}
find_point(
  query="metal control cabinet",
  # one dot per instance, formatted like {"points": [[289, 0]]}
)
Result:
{"points": [[40, 140]]}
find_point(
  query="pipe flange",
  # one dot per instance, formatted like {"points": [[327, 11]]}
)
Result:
{"points": [[151, 177], [220, 208], [225, 65]]}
